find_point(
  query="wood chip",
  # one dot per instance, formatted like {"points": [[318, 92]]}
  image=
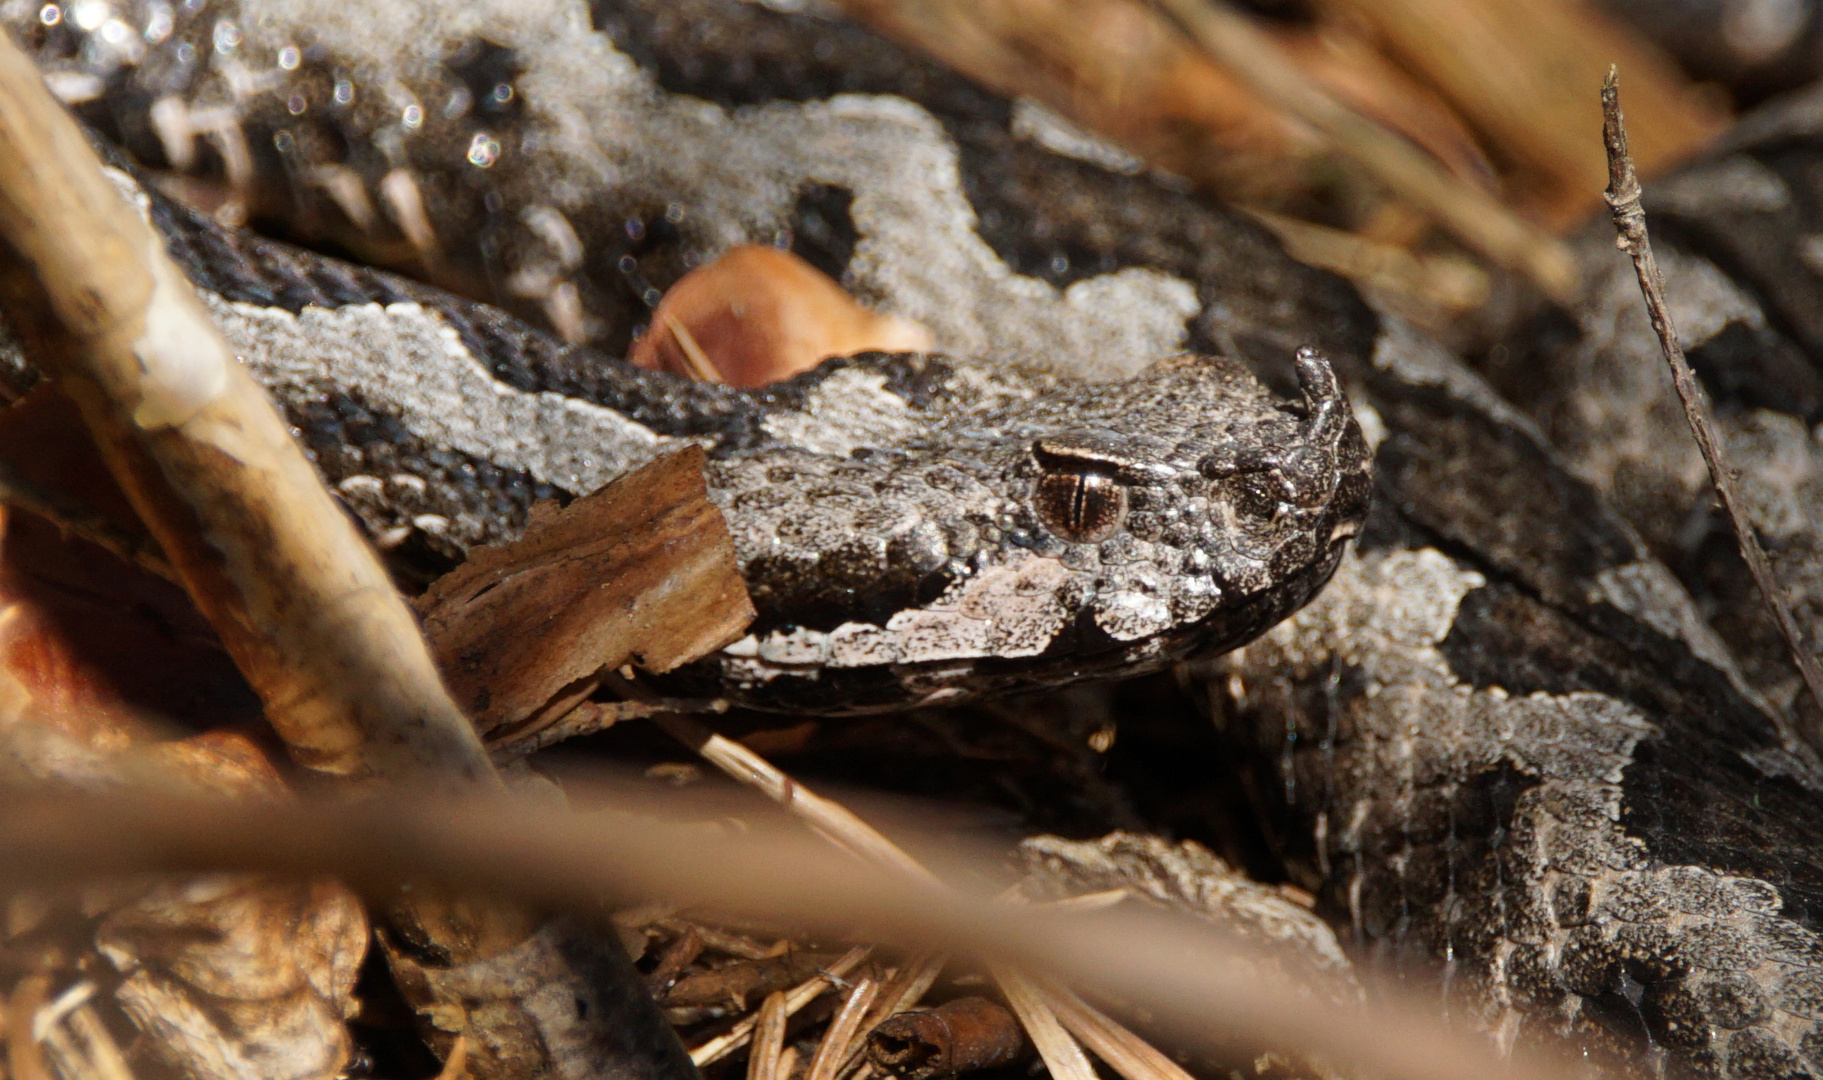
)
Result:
{"points": [[640, 572]]}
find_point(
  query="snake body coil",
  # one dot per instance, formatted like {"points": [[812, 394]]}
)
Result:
{"points": [[1502, 745]]}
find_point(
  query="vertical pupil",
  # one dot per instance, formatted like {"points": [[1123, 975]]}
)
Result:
{"points": [[1082, 506]]}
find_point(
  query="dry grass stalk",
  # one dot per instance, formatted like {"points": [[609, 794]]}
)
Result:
{"points": [[1062, 1054], [840, 826], [1475, 217], [905, 989], [795, 999], [1446, 284], [768, 1038], [1623, 197], [1126, 1053], [1185, 973], [455, 1066], [830, 819], [832, 1051]]}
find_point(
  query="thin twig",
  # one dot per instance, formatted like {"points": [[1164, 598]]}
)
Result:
{"points": [[1623, 197], [1126, 1053], [795, 998], [833, 821], [702, 369], [904, 990], [832, 1052]]}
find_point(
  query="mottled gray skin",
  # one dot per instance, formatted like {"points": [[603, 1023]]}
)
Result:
{"points": [[898, 548], [1502, 747]]}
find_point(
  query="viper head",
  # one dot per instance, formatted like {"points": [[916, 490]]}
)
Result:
{"points": [[927, 528]]}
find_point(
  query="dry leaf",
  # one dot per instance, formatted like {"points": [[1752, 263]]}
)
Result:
{"points": [[757, 315]]}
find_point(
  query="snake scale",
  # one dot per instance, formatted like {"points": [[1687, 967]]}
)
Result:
{"points": [[1507, 748]]}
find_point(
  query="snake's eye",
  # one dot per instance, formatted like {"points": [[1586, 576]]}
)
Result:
{"points": [[1079, 505]]}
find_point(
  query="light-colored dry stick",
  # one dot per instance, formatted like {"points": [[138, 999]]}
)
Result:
{"points": [[300, 601], [298, 598], [1482, 223], [832, 1052], [830, 819], [1623, 197], [768, 1038], [1095, 901], [1180, 970], [105, 1057], [24, 1055], [590, 717], [837, 824], [901, 992], [1450, 283], [1126, 1053], [788, 1060], [796, 998], [1062, 1054], [904, 990], [455, 1066]]}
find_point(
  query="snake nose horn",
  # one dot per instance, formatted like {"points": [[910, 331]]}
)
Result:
{"points": [[1316, 378], [1325, 409]]}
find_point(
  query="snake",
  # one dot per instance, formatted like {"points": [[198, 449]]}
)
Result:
{"points": [[1503, 745]]}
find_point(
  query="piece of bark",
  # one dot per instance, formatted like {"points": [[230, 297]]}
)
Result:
{"points": [[757, 315], [961, 1036], [640, 572]]}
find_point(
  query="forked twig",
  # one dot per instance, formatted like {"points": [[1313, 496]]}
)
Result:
{"points": [[1623, 197]]}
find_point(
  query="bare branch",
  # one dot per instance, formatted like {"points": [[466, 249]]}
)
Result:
{"points": [[1623, 197]]}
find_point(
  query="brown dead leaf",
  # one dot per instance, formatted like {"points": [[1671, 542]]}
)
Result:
{"points": [[757, 315], [640, 572], [234, 975]]}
